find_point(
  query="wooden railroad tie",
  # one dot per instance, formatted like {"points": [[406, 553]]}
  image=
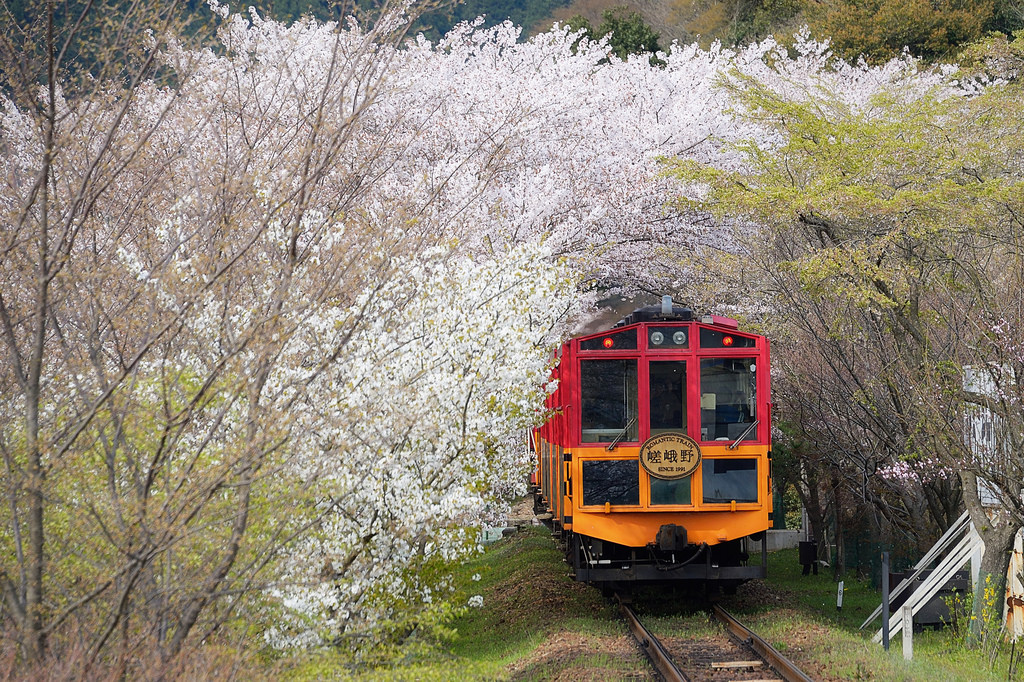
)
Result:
{"points": [[736, 664]]}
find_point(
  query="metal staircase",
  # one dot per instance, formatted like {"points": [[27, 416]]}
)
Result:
{"points": [[955, 548]]}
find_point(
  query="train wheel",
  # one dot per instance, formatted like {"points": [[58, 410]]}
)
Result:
{"points": [[572, 551]]}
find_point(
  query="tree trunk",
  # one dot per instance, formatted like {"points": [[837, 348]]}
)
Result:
{"points": [[810, 498], [997, 532], [837, 506]]}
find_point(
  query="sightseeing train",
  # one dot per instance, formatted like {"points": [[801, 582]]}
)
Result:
{"points": [[655, 464]]}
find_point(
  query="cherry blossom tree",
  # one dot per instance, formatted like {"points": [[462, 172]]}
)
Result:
{"points": [[164, 242]]}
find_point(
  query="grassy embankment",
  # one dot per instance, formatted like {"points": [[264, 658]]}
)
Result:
{"points": [[537, 624], [797, 614]]}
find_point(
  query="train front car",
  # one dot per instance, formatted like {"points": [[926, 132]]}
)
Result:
{"points": [[656, 464]]}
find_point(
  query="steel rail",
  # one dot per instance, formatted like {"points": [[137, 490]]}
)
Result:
{"points": [[770, 654], [651, 646]]}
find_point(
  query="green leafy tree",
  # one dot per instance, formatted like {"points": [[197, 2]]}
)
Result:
{"points": [[881, 29], [627, 33], [738, 22], [886, 234]]}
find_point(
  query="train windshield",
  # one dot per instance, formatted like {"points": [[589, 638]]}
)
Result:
{"points": [[613, 481], [668, 396], [728, 398], [728, 480], [609, 401], [670, 492]]}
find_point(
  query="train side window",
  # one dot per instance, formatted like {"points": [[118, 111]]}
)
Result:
{"points": [[670, 492], [667, 382], [616, 481], [725, 480], [609, 401], [728, 398]]}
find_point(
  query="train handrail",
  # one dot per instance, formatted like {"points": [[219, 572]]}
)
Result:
{"points": [[743, 435], [622, 434]]}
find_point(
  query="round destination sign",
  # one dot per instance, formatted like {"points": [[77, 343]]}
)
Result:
{"points": [[670, 455]]}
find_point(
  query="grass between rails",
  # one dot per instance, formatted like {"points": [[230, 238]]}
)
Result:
{"points": [[536, 623]]}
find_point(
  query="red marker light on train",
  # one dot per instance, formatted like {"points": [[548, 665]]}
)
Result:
{"points": [[727, 341], [608, 342]]}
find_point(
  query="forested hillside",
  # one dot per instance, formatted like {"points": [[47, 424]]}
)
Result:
{"points": [[877, 29]]}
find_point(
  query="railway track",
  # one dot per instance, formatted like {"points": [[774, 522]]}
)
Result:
{"points": [[737, 654]]}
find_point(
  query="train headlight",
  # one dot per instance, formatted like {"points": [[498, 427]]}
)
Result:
{"points": [[679, 338], [657, 338]]}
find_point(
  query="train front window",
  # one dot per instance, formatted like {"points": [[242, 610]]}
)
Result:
{"points": [[667, 380], [670, 492], [609, 401], [725, 480], [614, 481], [728, 398]]}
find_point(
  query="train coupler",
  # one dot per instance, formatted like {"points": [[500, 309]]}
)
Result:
{"points": [[671, 538]]}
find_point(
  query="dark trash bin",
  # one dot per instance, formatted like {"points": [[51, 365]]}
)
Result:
{"points": [[808, 553]]}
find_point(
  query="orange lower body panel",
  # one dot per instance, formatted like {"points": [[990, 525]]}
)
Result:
{"points": [[639, 529]]}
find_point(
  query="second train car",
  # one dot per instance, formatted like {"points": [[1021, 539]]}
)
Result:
{"points": [[656, 462]]}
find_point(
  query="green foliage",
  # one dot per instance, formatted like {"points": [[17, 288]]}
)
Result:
{"points": [[526, 13], [745, 21], [876, 29], [290, 10], [865, 195], [997, 56], [1007, 17], [887, 231], [104, 40], [627, 33], [881, 29], [977, 627], [578, 22], [527, 596]]}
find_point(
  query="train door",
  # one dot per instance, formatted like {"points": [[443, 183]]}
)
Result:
{"points": [[667, 413]]}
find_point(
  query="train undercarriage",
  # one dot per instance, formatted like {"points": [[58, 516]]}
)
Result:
{"points": [[725, 564], [707, 568]]}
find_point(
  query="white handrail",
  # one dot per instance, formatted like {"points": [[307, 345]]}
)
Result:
{"points": [[960, 555], [954, 531]]}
